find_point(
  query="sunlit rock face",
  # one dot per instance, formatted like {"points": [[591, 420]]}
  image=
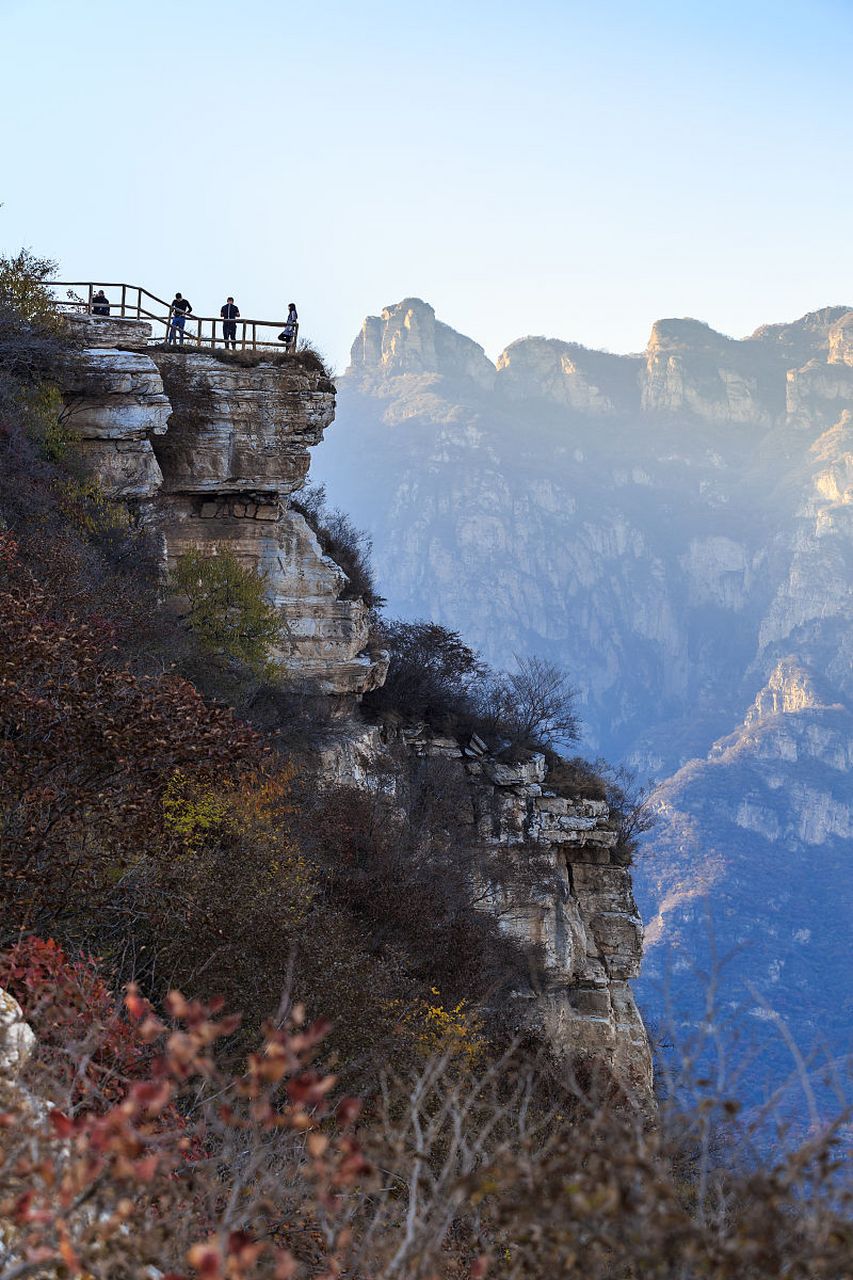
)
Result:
{"points": [[569, 375], [587, 923], [115, 405], [748, 882], [692, 369], [841, 340], [672, 555], [407, 339], [210, 454]]}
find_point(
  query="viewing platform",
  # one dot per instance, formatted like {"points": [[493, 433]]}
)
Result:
{"points": [[130, 302]]}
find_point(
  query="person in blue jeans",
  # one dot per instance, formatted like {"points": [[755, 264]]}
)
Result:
{"points": [[180, 309]]}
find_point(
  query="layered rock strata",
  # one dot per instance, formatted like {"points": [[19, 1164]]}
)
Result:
{"points": [[211, 453], [583, 917], [589, 926]]}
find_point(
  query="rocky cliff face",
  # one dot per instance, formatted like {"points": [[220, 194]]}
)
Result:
{"points": [[407, 339], [211, 453], [672, 528], [583, 915]]}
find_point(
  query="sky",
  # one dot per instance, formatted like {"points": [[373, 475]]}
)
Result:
{"points": [[573, 168]]}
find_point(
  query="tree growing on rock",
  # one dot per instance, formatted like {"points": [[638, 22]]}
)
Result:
{"points": [[228, 607]]}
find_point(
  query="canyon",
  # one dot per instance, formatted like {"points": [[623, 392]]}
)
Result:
{"points": [[674, 527]]}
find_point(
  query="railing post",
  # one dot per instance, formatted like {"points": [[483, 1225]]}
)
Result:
{"points": [[123, 299], [89, 303], [254, 335]]}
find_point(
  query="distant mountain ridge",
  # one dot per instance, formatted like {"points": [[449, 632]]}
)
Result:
{"points": [[677, 528]]}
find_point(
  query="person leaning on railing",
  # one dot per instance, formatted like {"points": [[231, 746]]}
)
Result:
{"points": [[100, 304], [291, 325], [181, 307]]}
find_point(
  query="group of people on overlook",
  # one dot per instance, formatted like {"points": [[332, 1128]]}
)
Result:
{"points": [[181, 307]]}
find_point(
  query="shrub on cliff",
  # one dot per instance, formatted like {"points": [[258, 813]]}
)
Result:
{"points": [[305, 357], [435, 677], [339, 538], [408, 868], [432, 676], [532, 706], [228, 609]]}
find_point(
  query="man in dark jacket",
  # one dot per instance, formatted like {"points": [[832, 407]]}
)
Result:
{"points": [[181, 307], [100, 304], [230, 314]]}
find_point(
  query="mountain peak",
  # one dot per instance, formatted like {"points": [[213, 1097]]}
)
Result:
{"points": [[407, 339], [790, 688]]}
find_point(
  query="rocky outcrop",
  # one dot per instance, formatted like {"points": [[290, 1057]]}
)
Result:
{"points": [[211, 453], [407, 339], [115, 406], [17, 1039], [692, 369], [582, 916], [588, 923], [587, 381], [840, 342], [221, 447]]}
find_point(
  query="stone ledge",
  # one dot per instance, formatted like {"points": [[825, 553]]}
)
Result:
{"points": [[109, 331]]}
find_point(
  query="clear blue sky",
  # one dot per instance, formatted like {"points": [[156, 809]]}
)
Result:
{"points": [[567, 167]]}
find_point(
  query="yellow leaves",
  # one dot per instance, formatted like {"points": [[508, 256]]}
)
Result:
{"points": [[455, 1031], [193, 810], [263, 800], [251, 813], [88, 507]]}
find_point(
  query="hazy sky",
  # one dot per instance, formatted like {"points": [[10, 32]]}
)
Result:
{"points": [[568, 167]]}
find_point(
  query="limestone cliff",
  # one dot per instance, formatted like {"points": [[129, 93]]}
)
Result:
{"points": [[583, 916], [210, 453], [407, 338], [568, 374]]}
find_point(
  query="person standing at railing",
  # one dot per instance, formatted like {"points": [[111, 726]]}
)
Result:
{"points": [[230, 315], [181, 307], [100, 304], [291, 326]]}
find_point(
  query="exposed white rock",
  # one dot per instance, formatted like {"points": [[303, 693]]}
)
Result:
{"points": [[114, 405], [718, 572], [841, 341], [586, 921], [16, 1037], [109, 331], [237, 429], [215, 461]]}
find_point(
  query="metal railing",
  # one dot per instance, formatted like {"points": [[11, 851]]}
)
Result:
{"points": [[136, 303]]}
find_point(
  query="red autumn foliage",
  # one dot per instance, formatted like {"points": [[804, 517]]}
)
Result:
{"points": [[151, 1152], [71, 1009], [86, 752]]}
